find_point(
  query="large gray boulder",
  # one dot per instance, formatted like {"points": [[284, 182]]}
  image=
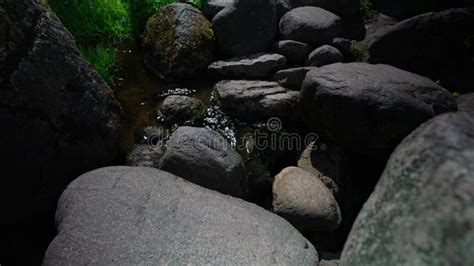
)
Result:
{"points": [[436, 45], [403, 9], [204, 157], [422, 211], [369, 109], [146, 155], [257, 100], [304, 200], [294, 52], [178, 42], [466, 102], [324, 55], [257, 66], [130, 216], [311, 25], [246, 27], [59, 119]]}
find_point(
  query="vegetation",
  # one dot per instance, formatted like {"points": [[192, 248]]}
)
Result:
{"points": [[102, 58], [367, 8], [90, 20], [98, 24], [360, 52]]}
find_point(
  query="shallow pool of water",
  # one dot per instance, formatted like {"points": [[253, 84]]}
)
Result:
{"points": [[140, 92]]}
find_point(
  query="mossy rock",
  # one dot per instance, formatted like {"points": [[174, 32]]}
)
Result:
{"points": [[178, 42]]}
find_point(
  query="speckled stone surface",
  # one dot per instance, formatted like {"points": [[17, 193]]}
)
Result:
{"points": [[130, 216]]}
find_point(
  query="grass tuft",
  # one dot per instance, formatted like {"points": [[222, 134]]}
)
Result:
{"points": [[367, 8], [360, 52], [102, 58], [90, 20], [97, 24]]}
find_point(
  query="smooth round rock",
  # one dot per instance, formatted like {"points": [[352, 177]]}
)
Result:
{"points": [[246, 27], [179, 108], [178, 42], [144, 216], [311, 25], [324, 55], [204, 157], [304, 200]]}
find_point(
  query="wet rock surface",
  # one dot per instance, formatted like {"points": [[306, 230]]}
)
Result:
{"points": [[154, 217], [181, 109], [204, 157]]}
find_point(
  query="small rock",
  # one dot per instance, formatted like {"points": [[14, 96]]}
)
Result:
{"points": [[257, 100], [136, 215], [204, 157], [324, 55], [178, 42], [294, 52], [305, 201], [180, 109], [257, 66], [311, 25], [246, 27], [146, 155], [292, 78]]}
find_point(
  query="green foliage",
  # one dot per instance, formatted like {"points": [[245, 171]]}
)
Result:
{"points": [[456, 94], [360, 52], [97, 24], [367, 8], [102, 58], [89, 20]]}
